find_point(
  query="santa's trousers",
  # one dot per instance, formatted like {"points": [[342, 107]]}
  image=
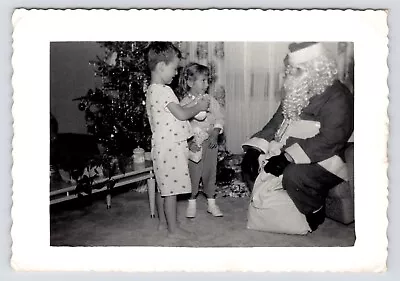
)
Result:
{"points": [[308, 185]]}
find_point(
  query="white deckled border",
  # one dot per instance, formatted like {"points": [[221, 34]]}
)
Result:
{"points": [[35, 29]]}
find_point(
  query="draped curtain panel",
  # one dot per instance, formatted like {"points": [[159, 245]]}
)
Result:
{"points": [[248, 78], [254, 76]]}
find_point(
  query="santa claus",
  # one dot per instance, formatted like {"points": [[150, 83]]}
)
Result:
{"points": [[304, 142]]}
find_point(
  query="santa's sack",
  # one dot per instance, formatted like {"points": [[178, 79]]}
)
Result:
{"points": [[272, 210]]}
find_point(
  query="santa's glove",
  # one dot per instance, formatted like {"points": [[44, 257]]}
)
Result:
{"points": [[276, 165], [250, 164]]}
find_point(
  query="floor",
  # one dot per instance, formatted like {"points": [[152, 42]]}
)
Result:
{"points": [[128, 223]]}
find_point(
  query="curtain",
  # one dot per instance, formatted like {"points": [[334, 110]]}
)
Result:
{"points": [[254, 76]]}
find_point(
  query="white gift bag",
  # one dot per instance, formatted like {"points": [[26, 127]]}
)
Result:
{"points": [[272, 210]]}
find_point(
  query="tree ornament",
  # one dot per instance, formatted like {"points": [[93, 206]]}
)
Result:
{"points": [[90, 93], [94, 108], [82, 106], [145, 86], [111, 60], [93, 64], [114, 94]]}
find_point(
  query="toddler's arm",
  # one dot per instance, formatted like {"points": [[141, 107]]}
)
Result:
{"points": [[217, 111]]}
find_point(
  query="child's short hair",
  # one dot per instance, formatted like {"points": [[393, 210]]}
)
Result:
{"points": [[191, 72], [161, 52]]}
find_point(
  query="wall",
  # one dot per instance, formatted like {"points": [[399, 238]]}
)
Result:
{"points": [[71, 76]]}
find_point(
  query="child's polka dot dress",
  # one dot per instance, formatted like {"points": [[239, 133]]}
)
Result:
{"points": [[169, 142]]}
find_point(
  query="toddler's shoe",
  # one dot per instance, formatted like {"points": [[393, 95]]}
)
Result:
{"points": [[213, 208], [191, 209]]}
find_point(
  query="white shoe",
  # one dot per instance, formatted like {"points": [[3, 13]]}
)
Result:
{"points": [[213, 208], [191, 209]]}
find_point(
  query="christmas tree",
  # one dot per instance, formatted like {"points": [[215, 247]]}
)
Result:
{"points": [[115, 111]]}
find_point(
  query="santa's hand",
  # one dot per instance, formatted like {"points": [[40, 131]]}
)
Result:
{"points": [[274, 148], [276, 165], [250, 164]]}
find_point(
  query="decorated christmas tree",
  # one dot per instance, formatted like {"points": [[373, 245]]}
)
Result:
{"points": [[115, 111]]}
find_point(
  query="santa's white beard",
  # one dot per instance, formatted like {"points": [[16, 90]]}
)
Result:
{"points": [[297, 95], [318, 75]]}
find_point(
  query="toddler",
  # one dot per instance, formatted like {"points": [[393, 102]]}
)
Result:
{"points": [[203, 147], [170, 131]]}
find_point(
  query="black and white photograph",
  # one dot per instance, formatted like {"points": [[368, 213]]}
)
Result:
{"points": [[233, 150], [139, 157]]}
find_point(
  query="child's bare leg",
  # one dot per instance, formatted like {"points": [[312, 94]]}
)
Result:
{"points": [[162, 223], [171, 214]]}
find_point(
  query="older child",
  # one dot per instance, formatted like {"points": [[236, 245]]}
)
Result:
{"points": [[203, 146], [170, 131]]}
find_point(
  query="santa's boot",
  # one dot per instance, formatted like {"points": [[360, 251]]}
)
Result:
{"points": [[191, 208], [316, 218], [213, 208]]}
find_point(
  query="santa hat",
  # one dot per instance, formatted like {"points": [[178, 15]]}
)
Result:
{"points": [[305, 51]]}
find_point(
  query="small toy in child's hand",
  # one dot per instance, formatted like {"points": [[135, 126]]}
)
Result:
{"points": [[203, 98], [194, 147], [199, 137], [201, 116]]}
